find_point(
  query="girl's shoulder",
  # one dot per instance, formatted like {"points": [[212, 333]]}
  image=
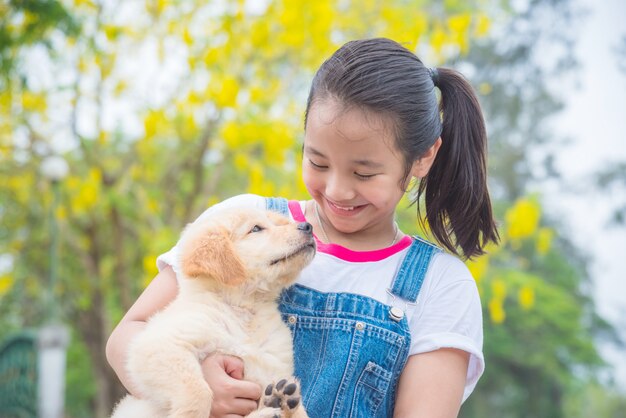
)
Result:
{"points": [[446, 270], [441, 262]]}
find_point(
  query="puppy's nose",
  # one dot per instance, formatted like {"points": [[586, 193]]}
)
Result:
{"points": [[305, 227]]}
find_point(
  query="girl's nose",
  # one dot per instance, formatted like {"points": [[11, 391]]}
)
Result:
{"points": [[305, 227], [339, 189]]}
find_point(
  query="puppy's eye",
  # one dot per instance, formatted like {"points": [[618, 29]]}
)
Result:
{"points": [[256, 228]]}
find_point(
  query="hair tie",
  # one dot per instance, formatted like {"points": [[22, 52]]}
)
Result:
{"points": [[434, 75]]}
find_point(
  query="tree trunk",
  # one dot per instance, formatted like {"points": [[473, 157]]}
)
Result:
{"points": [[93, 329]]}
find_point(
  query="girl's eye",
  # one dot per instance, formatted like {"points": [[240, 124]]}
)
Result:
{"points": [[317, 165], [364, 176], [256, 228]]}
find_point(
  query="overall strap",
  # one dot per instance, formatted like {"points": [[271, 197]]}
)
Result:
{"points": [[277, 204], [408, 281]]}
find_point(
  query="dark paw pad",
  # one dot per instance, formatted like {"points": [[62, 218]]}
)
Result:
{"points": [[284, 395]]}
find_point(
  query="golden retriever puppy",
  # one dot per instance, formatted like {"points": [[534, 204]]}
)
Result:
{"points": [[234, 265]]}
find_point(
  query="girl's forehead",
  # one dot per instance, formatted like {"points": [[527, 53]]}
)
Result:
{"points": [[335, 113], [363, 132]]}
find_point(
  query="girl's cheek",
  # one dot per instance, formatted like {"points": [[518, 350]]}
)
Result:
{"points": [[308, 175], [312, 180]]}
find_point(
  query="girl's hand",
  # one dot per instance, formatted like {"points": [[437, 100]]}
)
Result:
{"points": [[232, 396]]}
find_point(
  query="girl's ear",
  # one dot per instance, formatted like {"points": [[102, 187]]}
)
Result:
{"points": [[211, 255], [422, 165]]}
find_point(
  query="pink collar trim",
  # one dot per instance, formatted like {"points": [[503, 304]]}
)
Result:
{"points": [[345, 253]]}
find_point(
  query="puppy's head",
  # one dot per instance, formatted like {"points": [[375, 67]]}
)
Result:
{"points": [[248, 249]]}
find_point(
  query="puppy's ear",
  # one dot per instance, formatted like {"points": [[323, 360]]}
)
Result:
{"points": [[211, 255]]}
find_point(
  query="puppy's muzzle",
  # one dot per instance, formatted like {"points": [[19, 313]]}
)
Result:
{"points": [[307, 229]]}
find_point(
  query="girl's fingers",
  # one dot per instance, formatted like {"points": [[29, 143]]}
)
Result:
{"points": [[233, 366]]}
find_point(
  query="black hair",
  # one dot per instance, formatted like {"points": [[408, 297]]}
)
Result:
{"points": [[382, 76]]}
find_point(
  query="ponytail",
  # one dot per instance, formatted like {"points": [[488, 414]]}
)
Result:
{"points": [[458, 208]]}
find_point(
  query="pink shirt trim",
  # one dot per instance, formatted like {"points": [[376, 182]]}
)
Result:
{"points": [[345, 253]]}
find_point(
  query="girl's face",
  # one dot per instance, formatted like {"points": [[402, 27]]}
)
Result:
{"points": [[353, 170]]}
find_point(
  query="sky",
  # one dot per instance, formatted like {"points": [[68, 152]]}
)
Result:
{"points": [[595, 119]]}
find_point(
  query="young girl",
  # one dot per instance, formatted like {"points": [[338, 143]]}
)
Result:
{"points": [[384, 324]]}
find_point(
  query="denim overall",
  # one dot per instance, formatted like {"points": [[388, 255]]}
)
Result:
{"points": [[351, 349]]}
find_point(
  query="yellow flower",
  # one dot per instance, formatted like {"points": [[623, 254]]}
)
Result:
{"points": [[153, 206], [33, 102], [5, 101], [194, 99], [240, 161], [89, 3], [498, 287], [120, 87], [95, 176], [150, 269], [438, 39], [6, 283], [85, 199], [482, 25], [187, 38], [496, 311], [458, 26], [478, 267], [231, 135], [293, 25], [211, 57], [225, 91], [149, 265], [544, 240], [85, 194], [522, 219], [420, 25], [83, 65], [258, 183], [153, 123], [526, 297], [459, 23], [111, 31], [260, 33], [157, 7]]}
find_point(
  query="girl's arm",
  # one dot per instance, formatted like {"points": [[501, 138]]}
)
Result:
{"points": [[432, 384], [159, 293], [230, 394]]}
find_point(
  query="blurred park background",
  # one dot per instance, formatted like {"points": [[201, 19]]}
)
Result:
{"points": [[160, 108]]}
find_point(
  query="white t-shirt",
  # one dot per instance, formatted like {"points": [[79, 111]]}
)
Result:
{"points": [[447, 313]]}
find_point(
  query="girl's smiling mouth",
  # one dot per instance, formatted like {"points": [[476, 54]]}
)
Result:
{"points": [[344, 210]]}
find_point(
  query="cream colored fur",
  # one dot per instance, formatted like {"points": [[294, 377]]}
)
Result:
{"points": [[234, 266]]}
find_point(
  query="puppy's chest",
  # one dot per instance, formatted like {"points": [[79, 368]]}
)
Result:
{"points": [[264, 343], [250, 331]]}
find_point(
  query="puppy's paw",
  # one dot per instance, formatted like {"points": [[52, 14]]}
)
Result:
{"points": [[284, 395]]}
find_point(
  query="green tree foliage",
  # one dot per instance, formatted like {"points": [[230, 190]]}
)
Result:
{"points": [[542, 327], [162, 108], [27, 23]]}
